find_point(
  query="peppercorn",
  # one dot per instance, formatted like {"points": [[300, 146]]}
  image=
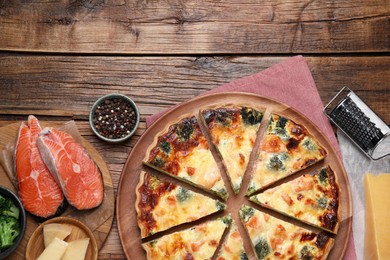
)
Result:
{"points": [[114, 118]]}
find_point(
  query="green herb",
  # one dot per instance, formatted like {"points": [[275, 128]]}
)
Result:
{"points": [[223, 193], [251, 188], [309, 145], [322, 202], [306, 253], [275, 163], [246, 212], [165, 147], [183, 194], [153, 242], [251, 116], [281, 122], [262, 249], [323, 176], [220, 206], [283, 156], [227, 220], [158, 162], [243, 256], [184, 130]]}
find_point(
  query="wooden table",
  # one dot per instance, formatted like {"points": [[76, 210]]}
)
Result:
{"points": [[58, 57]]}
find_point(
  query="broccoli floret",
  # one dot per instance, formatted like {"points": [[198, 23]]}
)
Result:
{"points": [[8, 208], [9, 230]]}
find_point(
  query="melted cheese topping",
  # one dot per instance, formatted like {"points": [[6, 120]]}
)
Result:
{"points": [[199, 242], [233, 248], [308, 198], [172, 209], [286, 148], [162, 205], [272, 237], [234, 140], [235, 149], [183, 152], [200, 168]]}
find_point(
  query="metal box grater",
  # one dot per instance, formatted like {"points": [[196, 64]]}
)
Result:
{"points": [[352, 116]]}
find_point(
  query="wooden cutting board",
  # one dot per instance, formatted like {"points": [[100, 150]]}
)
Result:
{"points": [[127, 216], [100, 226]]}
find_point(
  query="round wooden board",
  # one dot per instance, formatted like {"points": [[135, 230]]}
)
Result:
{"points": [[36, 243], [126, 215], [100, 226]]}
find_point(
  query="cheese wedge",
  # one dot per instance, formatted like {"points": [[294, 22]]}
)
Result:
{"points": [[77, 249], [52, 230], [54, 251], [377, 236]]}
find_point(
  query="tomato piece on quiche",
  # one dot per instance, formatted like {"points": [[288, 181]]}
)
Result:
{"points": [[233, 131], [198, 242], [312, 198], [233, 246], [286, 148], [274, 238], [182, 151], [161, 205]]}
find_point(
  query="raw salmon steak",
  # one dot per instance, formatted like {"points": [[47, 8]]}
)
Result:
{"points": [[38, 191], [72, 167]]}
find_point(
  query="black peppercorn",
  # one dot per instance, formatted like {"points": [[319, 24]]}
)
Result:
{"points": [[114, 118]]}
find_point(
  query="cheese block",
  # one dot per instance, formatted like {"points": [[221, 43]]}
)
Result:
{"points": [[54, 251], [377, 236], [76, 250], [52, 230]]}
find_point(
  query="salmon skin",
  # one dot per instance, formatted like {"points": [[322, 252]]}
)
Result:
{"points": [[72, 167], [38, 191]]}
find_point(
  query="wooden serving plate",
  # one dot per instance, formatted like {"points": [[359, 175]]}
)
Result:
{"points": [[36, 243], [126, 215], [100, 226]]}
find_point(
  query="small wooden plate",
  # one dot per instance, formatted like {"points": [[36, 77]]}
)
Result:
{"points": [[36, 244]]}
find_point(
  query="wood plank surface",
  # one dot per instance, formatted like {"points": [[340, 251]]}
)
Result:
{"points": [[66, 85], [195, 27], [62, 87]]}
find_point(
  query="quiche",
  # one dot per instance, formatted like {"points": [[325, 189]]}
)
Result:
{"points": [[182, 151], [161, 205], [286, 148], [273, 238], [198, 242], [233, 247], [233, 131], [312, 198]]}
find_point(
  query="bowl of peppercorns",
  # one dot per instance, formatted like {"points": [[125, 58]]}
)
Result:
{"points": [[114, 117]]}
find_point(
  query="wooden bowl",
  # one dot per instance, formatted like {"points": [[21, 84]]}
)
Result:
{"points": [[36, 245]]}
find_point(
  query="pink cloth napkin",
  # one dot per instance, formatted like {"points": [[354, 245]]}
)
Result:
{"points": [[289, 82]]}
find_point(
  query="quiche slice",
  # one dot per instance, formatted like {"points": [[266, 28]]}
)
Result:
{"points": [[182, 151], [286, 148], [161, 205], [198, 242], [273, 238], [312, 198], [233, 131], [233, 247]]}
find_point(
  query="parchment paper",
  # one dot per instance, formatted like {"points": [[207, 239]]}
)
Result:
{"points": [[357, 164]]}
